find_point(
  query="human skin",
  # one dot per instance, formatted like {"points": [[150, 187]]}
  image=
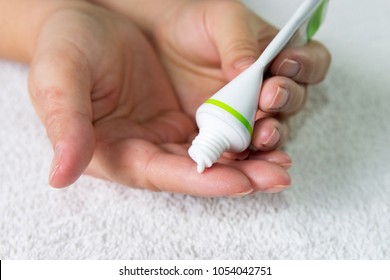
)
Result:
{"points": [[109, 108], [206, 43]]}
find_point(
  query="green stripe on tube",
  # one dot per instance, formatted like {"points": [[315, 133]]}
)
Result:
{"points": [[233, 112]]}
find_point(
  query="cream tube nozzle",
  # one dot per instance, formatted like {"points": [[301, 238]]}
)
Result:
{"points": [[226, 120]]}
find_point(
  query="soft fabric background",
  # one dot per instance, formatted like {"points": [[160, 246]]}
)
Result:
{"points": [[338, 206]]}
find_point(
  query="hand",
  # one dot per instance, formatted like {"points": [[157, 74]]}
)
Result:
{"points": [[109, 108], [205, 44]]}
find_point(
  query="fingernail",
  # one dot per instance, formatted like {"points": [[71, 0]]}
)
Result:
{"points": [[286, 166], [273, 139], [243, 63], [241, 194], [56, 163], [276, 189], [289, 68], [280, 99]]}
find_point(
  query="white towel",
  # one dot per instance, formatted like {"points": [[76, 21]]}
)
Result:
{"points": [[337, 208]]}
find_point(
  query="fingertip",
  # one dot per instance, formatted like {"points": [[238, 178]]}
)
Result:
{"points": [[55, 169], [282, 95], [305, 64], [268, 134], [288, 68], [72, 155], [264, 175], [68, 165], [274, 94], [276, 189]]}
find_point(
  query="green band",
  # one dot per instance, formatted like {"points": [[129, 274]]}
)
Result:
{"points": [[233, 112], [316, 19]]}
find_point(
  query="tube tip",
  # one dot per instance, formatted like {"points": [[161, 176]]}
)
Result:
{"points": [[207, 148], [201, 167], [200, 159]]}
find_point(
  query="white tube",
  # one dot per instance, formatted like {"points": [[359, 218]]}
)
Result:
{"points": [[226, 120]]}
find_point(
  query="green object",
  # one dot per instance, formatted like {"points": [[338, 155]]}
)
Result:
{"points": [[233, 112], [316, 19]]}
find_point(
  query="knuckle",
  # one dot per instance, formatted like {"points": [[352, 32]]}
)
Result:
{"points": [[240, 47]]}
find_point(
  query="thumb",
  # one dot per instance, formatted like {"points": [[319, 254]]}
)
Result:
{"points": [[235, 33], [60, 92]]}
